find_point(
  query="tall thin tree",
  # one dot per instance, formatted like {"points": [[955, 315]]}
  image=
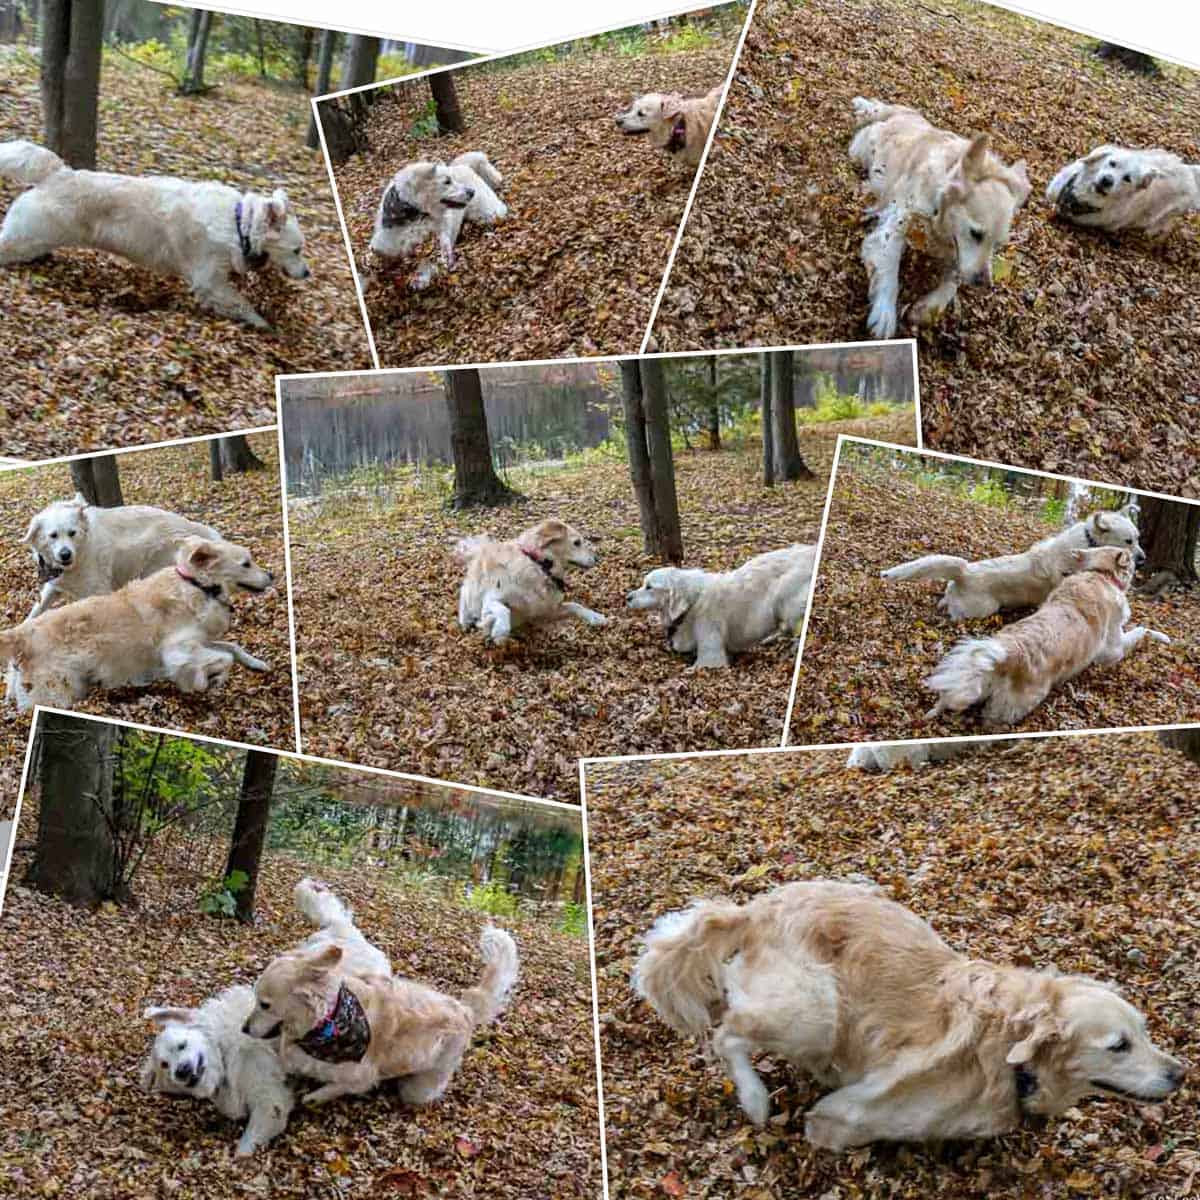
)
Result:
{"points": [[789, 464], [72, 35], [768, 425], [475, 478], [250, 827], [445, 100], [99, 480]]}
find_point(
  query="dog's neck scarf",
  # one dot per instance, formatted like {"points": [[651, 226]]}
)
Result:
{"points": [[1070, 205], [211, 590], [343, 1034], [547, 565], [46, 572], [397, 211], [678, 138], [254, 261]]}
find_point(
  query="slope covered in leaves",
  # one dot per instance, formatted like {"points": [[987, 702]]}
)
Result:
{"points": [[98, 352], [870, 642], [575, 267], [1082, 853], [387, 678], [247, 509], [519, 1119], [1084, 356]]}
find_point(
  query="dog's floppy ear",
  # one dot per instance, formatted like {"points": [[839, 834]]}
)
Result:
{"points": [[32, 531], [1018, 182], [1124, 559], [200, 552], [165, 1015], [1100, 522], [954, 187], [1079, 557], [1044, 1028], [973, 160], [147, 1075], [325, 961], [678, 602], [1148, 178], [670, 106], [277, 208], [549, 531], [1100, 152]]}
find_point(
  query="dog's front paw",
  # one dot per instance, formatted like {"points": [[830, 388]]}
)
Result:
{"points": [[882, 323], [826, 1133], [757, 1106], [246, 1146], [920, 313], [595, 618]]}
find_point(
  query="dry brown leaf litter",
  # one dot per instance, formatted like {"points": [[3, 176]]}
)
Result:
{"points": [[1077, 852], [575, 267], [1085, 357], [870, 641], [246, 508], [100, 353]]}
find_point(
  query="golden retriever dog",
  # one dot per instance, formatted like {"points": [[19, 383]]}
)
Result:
{"points": [[950, 197], [1080, 623], [427, 200], [674, 124], [1114, 188], [168, 626], [82, 550], [203, 231], [351, 1031], [522, 582], [978, 589], [715, 614], [916, 1040]]}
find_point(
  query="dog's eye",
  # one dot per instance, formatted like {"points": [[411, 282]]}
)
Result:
{"points": [[53, 535], [70, 533], [181, 1046], [246, 564], [163, 1065], [264, 1004], [977, 234], [578, 542], [1122, 1047], [1112, 162], [1129, 541], [1127, 178]]}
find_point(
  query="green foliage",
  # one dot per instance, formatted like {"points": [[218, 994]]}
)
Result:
{"points": [[162, 779], [219, 899], [687, 37], [425, 126], [393, 66], [492, 898], [990, 492], [156, 54], [1054, 510], [322, 832], [574, 920]]}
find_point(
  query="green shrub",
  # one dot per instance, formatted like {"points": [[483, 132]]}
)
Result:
{"points": [[574, 919], [1054, 510], [687, 37], [990, 492], [492, 898], [219, 899]]}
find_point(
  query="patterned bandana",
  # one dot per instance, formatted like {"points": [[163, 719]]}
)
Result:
{"points": [[46, 572], [342, 1035]]}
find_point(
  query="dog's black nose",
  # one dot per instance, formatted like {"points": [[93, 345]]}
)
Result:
{"points": [[307, 273], [246, 1029], [1104, 184], [188, 1075], [65, 555], [1139, 557], [470, 193], [1176, 1075]]}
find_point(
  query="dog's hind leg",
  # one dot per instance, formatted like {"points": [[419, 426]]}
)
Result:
{"points": [[930, 307], [496, 619], [27, 233], [267, 1121], [882, 251]]}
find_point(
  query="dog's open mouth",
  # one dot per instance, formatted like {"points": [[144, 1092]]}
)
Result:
{"points": [[250, 587], [626, 130], [455, 203], [1112, 1089]]}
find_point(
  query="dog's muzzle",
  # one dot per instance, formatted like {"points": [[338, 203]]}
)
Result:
{"points": [[65, 555], [1104, 184], [188, 1075], [272, 1032], [469, 196], [1139, 556]]}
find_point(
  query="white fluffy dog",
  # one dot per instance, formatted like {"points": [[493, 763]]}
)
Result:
{"points": [[715, 614], [881, 759], [202, 231], [83, 550], [915, 1040], [1116, 188], [947, 196], [978, 589], [433, 199]]}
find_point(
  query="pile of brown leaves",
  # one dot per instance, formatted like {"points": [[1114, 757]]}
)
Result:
{"points": [[519, 1119], [870, 642], [1077, 852], [98, 352], [387, 678], [1083, 357], [575, 267], [247, 509]]}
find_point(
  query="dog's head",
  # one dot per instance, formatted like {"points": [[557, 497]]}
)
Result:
{"points": [[57, 534], [1110, 172], [1107, 559], [292, 994], [670, 591], [1087, 1039], [222, 565], [1116, 529], [649, 112], [560, 543], [976, 206], [272, 229], [430, 187], [184, 1060]]}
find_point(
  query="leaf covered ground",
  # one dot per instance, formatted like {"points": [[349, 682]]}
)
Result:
{"points": [[575, 267], [100, 353], [519, 1119], [246, 508], [1081, 853], [387, 678], [870, 642], [1085, 356]]}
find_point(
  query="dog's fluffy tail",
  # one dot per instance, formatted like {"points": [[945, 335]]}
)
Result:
{"points": [[324, 909], [966, 675], [28, 164], [487, 998], [679, 971], [478, 162], [932, 566]]}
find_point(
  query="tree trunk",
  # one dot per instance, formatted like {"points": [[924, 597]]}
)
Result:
{"points": [[72, 33], [662, 465], [788, 462], [768, 427], [1167, 532], [99, 479], [1135, 60], [714, 407], [74, 857], [324, 70], [639, 456], [262, 53], [362, 57], [215, 466], [237, 457], [445, 99], [344, 124], [475, 479], [304, 46], [250, 827], [1186, 741], [193, 72]]}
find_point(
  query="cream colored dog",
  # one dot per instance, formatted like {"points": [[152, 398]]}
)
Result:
{"points": [[511, 584], [882, 758], [202, 231], [352, 1031], [1115, 188], [82, 550], [717, 614], [978, 589], [948, 196], [168, 626], [674, 124], [917, 1041], [1080, 623]]}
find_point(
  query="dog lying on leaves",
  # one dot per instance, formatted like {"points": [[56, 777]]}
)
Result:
{"points": [[915, 1040], [675, 125]]}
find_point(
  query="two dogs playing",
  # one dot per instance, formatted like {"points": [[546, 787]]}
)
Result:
{"points": [[330, 1010]]}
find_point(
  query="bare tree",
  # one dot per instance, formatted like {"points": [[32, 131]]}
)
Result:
{"points": [[72, 33], [324, 71], [235, 455], [714, 406], [361, 61], [1167, 531], [1186, 741], [768, 428], [199, 28], [303, 45], [250, 827], [475, 478], [99, 480], [651, 463], [445, 100], [788, 461]]}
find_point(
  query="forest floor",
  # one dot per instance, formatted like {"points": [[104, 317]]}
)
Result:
{"points": [[1080, 853], [1083, 356], [519, 1120], [246, 508], [870, 642], [387, 678], [99, 352], [575, 267]]}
